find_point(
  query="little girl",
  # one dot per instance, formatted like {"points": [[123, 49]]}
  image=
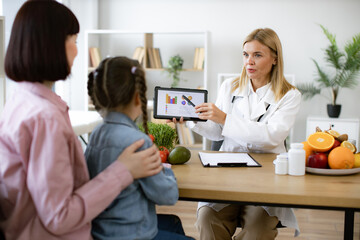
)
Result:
{"points": [[117, 88]]}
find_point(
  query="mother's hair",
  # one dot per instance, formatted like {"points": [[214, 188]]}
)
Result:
{"points": [[36, 50]]}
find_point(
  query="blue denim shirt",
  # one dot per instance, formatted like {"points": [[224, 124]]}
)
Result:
{"points": [[132, 214]]}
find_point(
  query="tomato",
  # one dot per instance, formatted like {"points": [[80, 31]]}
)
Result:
{"points": [[163, 156], [162, 148], [152, 137]]}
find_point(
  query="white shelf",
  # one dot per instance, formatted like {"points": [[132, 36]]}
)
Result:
{"points": [[170, 43]]}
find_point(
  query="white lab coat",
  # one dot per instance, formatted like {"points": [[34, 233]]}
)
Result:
{"points": [[242, 133]]}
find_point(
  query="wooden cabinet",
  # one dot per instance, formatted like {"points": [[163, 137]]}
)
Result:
{"points": [[124, 43], [350, 126]]}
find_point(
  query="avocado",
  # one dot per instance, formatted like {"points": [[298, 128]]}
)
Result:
{"points": [[179, 155]]}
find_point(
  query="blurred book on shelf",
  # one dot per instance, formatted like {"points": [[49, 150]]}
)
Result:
{"points": [[151, 59], [158, 58], [95, 57], [199, 57], [196, 57], [139, 54], [154, 58]]}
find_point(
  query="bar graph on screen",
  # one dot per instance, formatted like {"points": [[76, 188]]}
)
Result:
{"points": [[170, 100]]}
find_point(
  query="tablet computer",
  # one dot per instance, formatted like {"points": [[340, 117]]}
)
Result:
{"points": [[172, 103]]}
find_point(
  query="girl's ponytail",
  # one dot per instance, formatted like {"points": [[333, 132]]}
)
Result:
{"points": [[141, 87], [114, 83]]}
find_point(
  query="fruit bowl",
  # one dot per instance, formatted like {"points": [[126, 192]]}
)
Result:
{"points": [[338, 172]]}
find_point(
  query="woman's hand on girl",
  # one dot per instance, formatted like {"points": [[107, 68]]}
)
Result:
{"points": [[141, 164], [209, 111]]}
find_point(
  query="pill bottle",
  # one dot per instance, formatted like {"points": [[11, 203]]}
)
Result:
{"points": [[296, 158], [281, 165]]}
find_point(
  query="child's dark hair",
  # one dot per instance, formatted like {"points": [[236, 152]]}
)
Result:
{"points": [[114, 84]]}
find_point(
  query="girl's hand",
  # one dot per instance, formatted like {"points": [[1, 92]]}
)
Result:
{"points": [[209, 111], [141, 164]]}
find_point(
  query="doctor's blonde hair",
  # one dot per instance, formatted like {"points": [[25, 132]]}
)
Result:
{"points": [[279, 84]]}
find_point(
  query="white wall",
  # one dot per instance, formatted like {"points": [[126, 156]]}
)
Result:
{"points": [[229, 21], [87, 13], [10, 8], [74, 88]]}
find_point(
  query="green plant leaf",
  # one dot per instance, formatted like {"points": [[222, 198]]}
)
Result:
{"points": [[346, 69], [348, 79], [323, 79], [329, 36], [308, 90], [352, 50], [164, 134], [333, 56]]}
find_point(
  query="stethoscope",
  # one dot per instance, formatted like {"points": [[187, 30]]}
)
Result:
{"points": [[238, 97]]}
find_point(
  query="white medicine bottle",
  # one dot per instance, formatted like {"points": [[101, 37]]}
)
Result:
{"points": [[281, 164], [296, 157]]}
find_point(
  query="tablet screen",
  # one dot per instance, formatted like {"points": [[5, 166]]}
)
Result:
{"points": [[178, 102]]}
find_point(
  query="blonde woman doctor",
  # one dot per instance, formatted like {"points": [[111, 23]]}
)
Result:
{"points": [[253, 113]]}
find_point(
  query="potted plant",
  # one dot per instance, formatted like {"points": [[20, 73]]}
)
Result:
{"points": [[345, 69], [174, 69]]}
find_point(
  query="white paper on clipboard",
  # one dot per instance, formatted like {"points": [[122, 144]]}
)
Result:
{"points": [[227, 159]]}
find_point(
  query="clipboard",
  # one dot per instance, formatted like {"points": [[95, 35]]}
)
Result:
{"points": [[227, 160]]}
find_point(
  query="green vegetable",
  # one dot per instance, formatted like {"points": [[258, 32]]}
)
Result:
{"points": [[164, 134], [179, 155]]}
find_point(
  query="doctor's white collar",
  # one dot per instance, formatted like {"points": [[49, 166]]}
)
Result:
{"points": [[260, 92], [268, 98]]}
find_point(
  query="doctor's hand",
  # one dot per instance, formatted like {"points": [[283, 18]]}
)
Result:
{"points": [[209, 111], [181, 120]]}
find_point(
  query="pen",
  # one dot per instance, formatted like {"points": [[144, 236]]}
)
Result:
{"points": [[241, 164], [188, 100]]}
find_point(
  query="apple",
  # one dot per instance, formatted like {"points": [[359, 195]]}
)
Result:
{"points": [[336, 144], [317, 160]]}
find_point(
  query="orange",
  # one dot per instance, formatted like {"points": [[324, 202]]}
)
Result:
{"points": [[341, 158], [348, 145], [333, 133], [320, 141], [308, 150], [357, 160]]}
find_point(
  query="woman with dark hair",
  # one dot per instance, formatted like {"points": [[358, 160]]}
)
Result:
{"points": [[45, 188]]}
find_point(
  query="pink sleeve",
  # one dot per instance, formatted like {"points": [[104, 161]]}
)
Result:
{"points": [[58, 181]]}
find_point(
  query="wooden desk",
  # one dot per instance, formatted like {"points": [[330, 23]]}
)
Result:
{"points": [[261, 186]]}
